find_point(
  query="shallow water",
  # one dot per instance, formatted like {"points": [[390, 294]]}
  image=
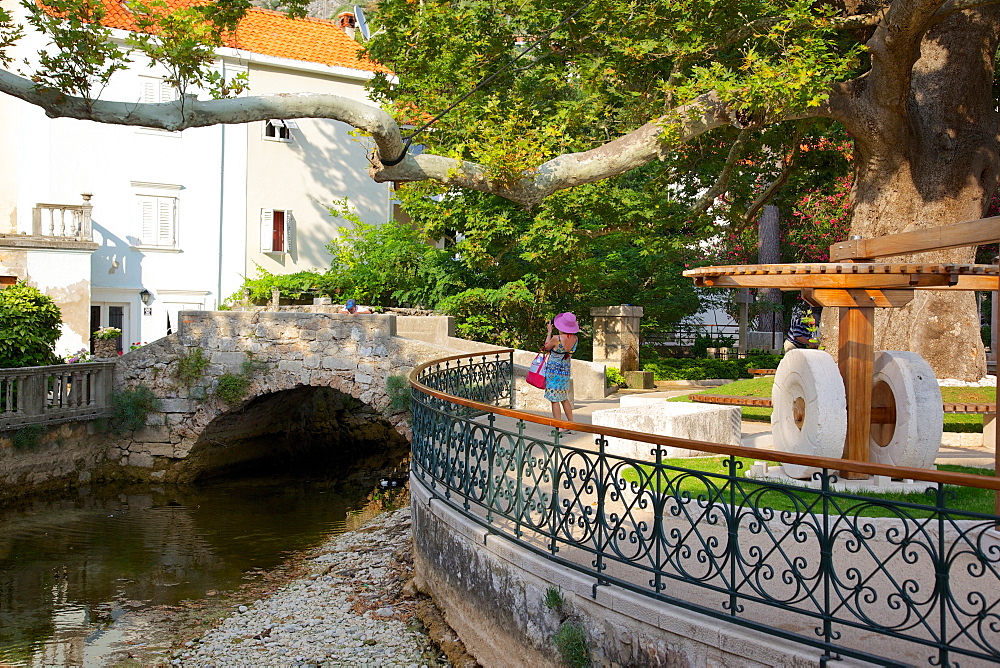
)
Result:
{"points": [[71, 566]]}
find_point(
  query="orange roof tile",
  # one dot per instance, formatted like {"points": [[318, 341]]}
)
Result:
{"points": [[273, 34]]}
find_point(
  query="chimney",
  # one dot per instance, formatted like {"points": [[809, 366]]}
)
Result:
{"points": [[347, 23]]}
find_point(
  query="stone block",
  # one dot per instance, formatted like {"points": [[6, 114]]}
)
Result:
{"points": [[140, 459], [289, 365], [152, 434], [715, 424], [639, 380], [339, 363], [363, 378], [161, 449], [175, 405]]}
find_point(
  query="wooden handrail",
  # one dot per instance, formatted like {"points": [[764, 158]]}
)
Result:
{"points": [[971, 233], [829, 463]]}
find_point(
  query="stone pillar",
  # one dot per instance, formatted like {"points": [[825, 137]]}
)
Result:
{"points": [[616, 336]]}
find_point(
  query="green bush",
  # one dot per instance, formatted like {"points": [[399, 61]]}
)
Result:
{"points": [[27, 437], [571, 642], [191, 366], [29, 327], [702, 342], [553, 599], [130, 407], [398, 389], [614, 377], [232, 387], [508, 316], [667, 368]]}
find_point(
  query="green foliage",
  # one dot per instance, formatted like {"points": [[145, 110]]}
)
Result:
{"points": [[183, 40], [130, 407], [85, 57], [29, 327], [702, 342], [398, 389], [232, 387], [667, 368], [107, 333], [391, 264], [613, 377], [986, 333], [571, 642], [191, 366], [508, 316], [27, 437], [553, 599]]}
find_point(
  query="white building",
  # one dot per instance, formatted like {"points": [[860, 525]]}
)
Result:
{"points": [[178, 218]]}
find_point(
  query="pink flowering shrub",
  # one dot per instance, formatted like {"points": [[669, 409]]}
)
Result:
{"points": [[819, 219]]}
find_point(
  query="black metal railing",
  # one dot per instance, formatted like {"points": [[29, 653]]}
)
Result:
{"points": [[919, 574]]}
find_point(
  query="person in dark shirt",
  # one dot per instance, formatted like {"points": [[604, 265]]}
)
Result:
{"points": [[799, 335]]}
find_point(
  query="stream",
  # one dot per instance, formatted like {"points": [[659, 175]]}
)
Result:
{"points": [[74, 566]]}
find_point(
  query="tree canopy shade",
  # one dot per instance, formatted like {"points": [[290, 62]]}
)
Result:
{"points": [[623, 84]]}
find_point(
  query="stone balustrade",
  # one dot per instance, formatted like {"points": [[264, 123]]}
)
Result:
{"points": [[63, 221], [50, 394]]}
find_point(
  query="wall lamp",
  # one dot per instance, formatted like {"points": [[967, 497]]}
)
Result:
{"points": [[145, 296]]}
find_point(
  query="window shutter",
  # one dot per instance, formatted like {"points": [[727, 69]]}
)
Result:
{"points": [[167, 92], [289, 230], [149, 92], [147, 218], [165, 221], [266, 229]]}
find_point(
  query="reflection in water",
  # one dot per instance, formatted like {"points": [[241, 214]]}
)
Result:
{"points": [[70, 567]]}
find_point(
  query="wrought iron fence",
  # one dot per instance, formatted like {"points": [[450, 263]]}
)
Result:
{"points": [[919, 574], [44, 394]]}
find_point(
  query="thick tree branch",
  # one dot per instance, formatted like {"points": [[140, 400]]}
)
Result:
{"points": [[194, 113], [772, 188], [639, 147], [894, 48], [722, 182]]}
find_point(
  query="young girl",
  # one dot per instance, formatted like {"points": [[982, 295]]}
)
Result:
{"points": [[561, 347]]}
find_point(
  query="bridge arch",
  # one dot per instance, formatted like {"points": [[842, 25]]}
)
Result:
{"points": [[294, 366]]}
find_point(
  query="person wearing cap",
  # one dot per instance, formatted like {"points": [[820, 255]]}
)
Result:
{"points": [[560, 347], [352, 308]]}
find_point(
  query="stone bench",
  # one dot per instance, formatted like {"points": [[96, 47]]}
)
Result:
{"points": [[655, 415]]}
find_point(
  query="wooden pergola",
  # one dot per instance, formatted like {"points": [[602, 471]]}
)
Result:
{"points": [[857, 285]]}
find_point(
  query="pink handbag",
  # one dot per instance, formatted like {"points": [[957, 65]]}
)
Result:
{"points": [[536, 372]]}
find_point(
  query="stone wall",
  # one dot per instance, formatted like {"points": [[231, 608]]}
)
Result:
{"points": [[286, 350], [299, 354]]}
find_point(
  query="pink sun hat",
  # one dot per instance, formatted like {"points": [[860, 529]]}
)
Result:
{"points": [[566, 323]]}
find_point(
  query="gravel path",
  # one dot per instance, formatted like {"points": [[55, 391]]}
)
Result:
{"points": [[348, 609]]}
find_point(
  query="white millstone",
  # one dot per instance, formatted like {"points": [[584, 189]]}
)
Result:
{"points": [[714, 424], [919, 415], [811, 378]]}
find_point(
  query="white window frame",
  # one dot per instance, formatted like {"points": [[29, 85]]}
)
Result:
{"points": [[281, 127], [267, 231], [162, 202]]}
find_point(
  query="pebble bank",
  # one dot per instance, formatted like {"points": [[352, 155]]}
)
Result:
{"points": [[349, 609]]}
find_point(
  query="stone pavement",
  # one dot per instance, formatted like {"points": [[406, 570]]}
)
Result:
{"points": [[755, 434]]}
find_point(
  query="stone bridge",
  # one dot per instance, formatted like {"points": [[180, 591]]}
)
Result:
{"points": [[286, 386]]}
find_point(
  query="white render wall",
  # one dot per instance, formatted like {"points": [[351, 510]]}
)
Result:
{"points": [[322, 162]]}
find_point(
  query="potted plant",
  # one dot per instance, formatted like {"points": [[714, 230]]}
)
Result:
{"points": [[106, 342]]}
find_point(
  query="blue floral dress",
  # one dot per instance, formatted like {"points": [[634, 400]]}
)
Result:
{"points": [[557, 372]]}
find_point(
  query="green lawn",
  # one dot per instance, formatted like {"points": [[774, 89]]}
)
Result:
{"points": [[761, 387], [959, 498]]}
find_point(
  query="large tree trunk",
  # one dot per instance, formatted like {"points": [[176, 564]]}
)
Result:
{"points": [[934, 164]]}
